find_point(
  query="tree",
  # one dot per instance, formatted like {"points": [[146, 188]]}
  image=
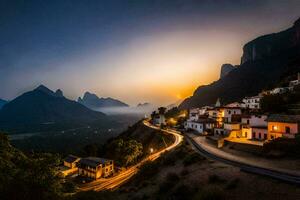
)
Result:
{"points": [[124, 152], [27, 177], [162, 110]]}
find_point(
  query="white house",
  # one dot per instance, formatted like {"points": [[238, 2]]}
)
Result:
{"points": [[252, 102], [254, 127], [202, 124], [229, 112], [281, 90], [159, 119]]}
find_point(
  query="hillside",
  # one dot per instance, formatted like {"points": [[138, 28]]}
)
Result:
{"points": [[92, 101], [42, 107], [265, 61], [148, 137], [2, 103]]}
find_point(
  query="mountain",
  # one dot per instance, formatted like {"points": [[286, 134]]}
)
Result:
{"points": [[264, 63], [42, 106], [2, 103], [93, 101], [225, 69], [143, 104]]}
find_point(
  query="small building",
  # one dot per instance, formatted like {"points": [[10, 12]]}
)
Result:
{"points": [[159, 119], [252, 102], [69, 165], [283, 126], [259, 132], [281, 90], [201, 125], [254, 126], [95, 168], [229, 112]]}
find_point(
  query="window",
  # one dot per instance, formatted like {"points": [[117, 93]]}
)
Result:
{"points": [[247, 121], [259, 135], [287, 129], [229, 112], [246, 134], [253, 135], [265, 136]]}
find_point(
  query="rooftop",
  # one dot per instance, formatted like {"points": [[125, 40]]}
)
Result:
{"points": [[71, 158], [284, 118], [93, 161]]}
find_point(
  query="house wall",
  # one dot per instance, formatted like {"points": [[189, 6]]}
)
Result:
{"points": [[194, 114], [255, 120], [91, 172], [195, 126], [232, 126], [252, 102], [260, 133], [229, 112], [246, 133], [108, 169], [278, 129]]}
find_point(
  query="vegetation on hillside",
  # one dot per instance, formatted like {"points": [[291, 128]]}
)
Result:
{"points": [[25, 177], [282, 103]]}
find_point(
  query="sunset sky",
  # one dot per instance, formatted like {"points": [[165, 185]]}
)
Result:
{"points": [[136, 51]]}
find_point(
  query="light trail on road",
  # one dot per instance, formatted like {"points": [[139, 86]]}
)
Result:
{"points": [[116, 181]]}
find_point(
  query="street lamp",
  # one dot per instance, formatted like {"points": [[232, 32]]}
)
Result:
{"points": [[151, 150]]}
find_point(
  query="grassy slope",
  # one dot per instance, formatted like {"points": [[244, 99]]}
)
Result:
{"points": [[183, 174]]}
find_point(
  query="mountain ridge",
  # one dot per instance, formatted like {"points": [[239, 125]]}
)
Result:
{"points": [[43, 106], [92, 101], [265, 61]]}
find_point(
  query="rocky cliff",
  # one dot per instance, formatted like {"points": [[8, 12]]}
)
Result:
{"points": [[225, 69], [265, 61]]}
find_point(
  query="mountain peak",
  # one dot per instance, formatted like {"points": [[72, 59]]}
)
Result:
{"points": [[44, 89], [297, 22], [225, 69], [59, 93], [93, 101]]}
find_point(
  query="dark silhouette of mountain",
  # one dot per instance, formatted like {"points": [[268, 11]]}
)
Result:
{"points": [[225, 69], [42, 106], [2, 103], [143, 104], [264, 63], [93, 101]]}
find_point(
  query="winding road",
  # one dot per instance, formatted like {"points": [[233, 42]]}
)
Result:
{"points": [[283, 176], [115, 181]]}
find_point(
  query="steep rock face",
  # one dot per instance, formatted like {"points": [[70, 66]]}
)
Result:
{"points": [[265, 61], [225, 69], [93, 101], [271, 44]]}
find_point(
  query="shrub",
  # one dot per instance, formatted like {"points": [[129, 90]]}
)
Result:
{"points": [[172, 177], [169, 182], [184, 172], [192, 158], [215, 179], [232, 184], [210, 193]]}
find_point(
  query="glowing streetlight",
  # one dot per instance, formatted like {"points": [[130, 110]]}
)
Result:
{"points": [[151, 150]]}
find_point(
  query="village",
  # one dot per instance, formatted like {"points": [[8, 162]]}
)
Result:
{"points": [[244, 122], [236, 123], [240, 122]]}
